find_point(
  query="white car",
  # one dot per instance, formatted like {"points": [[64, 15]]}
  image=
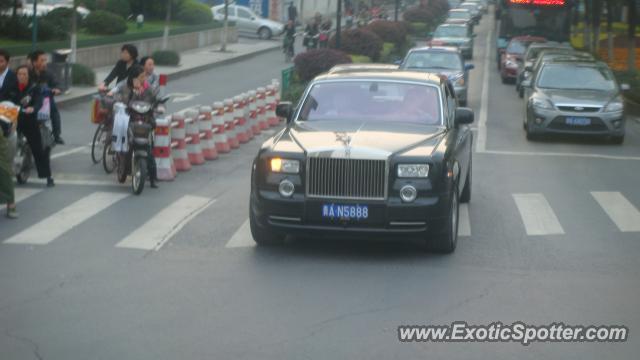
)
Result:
{"points": [[248, 21]]}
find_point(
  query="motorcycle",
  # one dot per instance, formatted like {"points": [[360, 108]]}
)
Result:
{"points": [[22, 159], [288, 47], [132, 157]]}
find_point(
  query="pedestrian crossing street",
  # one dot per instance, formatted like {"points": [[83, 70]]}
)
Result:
{"points": [[536, 215]]}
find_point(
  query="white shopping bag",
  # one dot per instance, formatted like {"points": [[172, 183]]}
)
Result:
{"points": [[120, 127]]}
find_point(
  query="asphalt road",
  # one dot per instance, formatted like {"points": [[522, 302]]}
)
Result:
{"points": [[551, 235]]}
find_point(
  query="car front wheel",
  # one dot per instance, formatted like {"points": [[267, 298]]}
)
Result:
{"points": [[264, 33], [263, 235], [445, 242]]}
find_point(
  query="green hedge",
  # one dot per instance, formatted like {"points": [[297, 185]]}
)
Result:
{"points": [[360, 59], [82, 75], [102, 22], [49, 46], [166, 58], [193, 12]]}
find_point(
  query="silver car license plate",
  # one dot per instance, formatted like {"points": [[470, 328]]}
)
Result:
{"points": [[578, 121]]}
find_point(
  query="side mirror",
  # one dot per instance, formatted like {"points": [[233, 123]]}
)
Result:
{"points": [[398, 62], [526, 83], [285, 110], [464, 116], [164, 99], [625, 87], [468, 67], [528, 68]]}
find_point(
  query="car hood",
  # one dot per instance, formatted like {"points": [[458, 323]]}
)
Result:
{"points": [[363, 139], [270, 23], [580, 97], [450, 40]]}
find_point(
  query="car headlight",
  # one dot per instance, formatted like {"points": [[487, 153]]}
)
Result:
{"points": [[286, 166], [541, 103], [511, 64], [614, 105], [457, 79], [413, 170]]}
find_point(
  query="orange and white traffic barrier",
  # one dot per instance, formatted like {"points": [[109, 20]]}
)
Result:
{"points": [[166, 169], [194, 150], [253, 116], [163, 79], [270, 106], [230, 128], [206, 134], [261, 108], [239, 120], [219, 131], [179, 143], [276, 85], [245, 114]]}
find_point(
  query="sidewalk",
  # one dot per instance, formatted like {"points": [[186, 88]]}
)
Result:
{"points": [[190, 62]]}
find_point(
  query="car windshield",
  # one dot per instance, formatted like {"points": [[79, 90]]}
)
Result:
{"points": [[517, 47], [450, 31], [379, 101], [470, 7], [459, 15], [576, 77], [433, 60]]}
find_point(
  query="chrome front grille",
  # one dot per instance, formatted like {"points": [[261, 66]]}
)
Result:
{"points": [[346, 178], [577, 108]]}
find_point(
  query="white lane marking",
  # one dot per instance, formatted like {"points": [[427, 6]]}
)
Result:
{"points": [[22, 194], [66, 219], [481, 142], [620, 210], [537, 215], [168, 222], [181, 97], [242, 237], [591, 156], [69, 152], [464, 223], [60, 179]]}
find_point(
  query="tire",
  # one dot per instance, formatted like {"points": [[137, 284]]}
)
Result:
{"points": [[263, 235], [138, 174], [122, 168], [446, 241], [465, 197], [97, 141], [109, 159], [618, 140], [264, 33], [530, 135], [463, 103], [504, 79], [26, 164], [521, 92]]}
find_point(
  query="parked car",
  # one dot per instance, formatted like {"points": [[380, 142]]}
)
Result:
{"points": [[474, 8], [248, 21], [532, 54], [483, 4], [458, 35], [447, 61], [552, 55], [345, 68], [369, 155], [574, 97], [513, 56]]}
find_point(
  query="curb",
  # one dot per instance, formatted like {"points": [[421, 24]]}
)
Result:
{"points": [[178, 74]]}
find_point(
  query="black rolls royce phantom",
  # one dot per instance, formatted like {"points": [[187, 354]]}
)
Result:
{"points": [[366, 154]]}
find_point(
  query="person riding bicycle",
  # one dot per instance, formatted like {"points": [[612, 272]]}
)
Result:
{"points": [[289, 38], [122, 69]]}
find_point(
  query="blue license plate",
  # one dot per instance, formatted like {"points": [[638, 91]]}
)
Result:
{"points": [[345, 212], [578, 121]]}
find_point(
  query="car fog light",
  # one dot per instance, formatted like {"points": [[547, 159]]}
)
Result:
{"points": [[616, 123], [286, 188], [408, 193], [539, 121]]}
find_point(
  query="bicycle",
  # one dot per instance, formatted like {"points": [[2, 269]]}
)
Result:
{"points": [[102, 114]]}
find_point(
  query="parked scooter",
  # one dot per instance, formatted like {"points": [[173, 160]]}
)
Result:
{"points": [[133, 157]]}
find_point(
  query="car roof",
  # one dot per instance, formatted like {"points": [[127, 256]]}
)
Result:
{"points": [[577, 62], [538, 39], [453, 25], [436, 48], [398, 75], [362, 67], [459, 10], [550, 44]]}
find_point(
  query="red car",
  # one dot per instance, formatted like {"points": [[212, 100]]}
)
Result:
{"points": [[511, 58]]}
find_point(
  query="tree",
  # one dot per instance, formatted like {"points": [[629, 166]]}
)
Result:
{"points": [[225, 27], [595, 24], [167, 24], [631, 33], [586, 36]]}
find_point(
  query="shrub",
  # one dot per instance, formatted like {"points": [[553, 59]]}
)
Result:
{"points": [[61, 18], [314, 62], [50, 31], [194, 13], [421, 14], [166, 57], [360, 42], [82, 75], [120, 7], [388, 52], [102, 22], [20, 28], [359, 59], [419, 29], [389, 31], [294, 92]]}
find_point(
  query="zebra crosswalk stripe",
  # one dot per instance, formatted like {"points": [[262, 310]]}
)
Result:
{"points": [[537, 215], [620, 210]]}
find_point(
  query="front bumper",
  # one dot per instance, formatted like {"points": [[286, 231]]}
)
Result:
{"points": [[508, 73], [388, 219], [544, 121]]}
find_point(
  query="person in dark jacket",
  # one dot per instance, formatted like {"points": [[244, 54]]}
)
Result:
{"points": [[8, 80], [41, 77], [293, 12], [30, 98], [120, 72]]}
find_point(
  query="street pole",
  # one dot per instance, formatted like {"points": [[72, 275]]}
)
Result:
{"points": [[225, 26], [338, 24], [34, 28], [301, 13], [167, 24], [397, 9]]}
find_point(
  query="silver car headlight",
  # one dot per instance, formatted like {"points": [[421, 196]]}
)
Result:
{"points": [[457, 79], [413, 170], [541, 103], [614, 105], [286, 166]]}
